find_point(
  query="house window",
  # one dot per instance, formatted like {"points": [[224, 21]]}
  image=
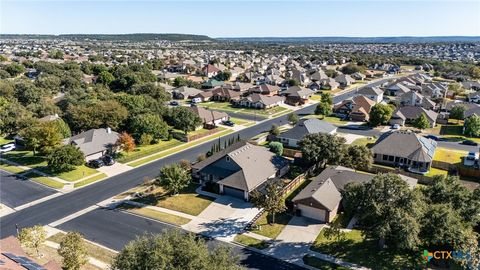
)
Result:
{"points": [[397, 159], [228, 159], [390, 158], [385, 157], [374, 155]]}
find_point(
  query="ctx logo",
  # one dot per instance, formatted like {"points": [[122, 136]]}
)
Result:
{"points": [[438, 255]]}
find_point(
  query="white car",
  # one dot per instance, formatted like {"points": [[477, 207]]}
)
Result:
{"points": [[395, 126], [470, 159], [7, 147]]}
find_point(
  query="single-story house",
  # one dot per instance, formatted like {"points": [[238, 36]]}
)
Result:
{"points": [[239, 169], [397, 89], [321, 199], [259, 101], [210, 70], [297, 95], [291, 137], [405, 149], [407, 114], [265, 89], [358, 76], [184, 92], [344, 80], [210, 118], [223, 94], [374, 93], [94, 143]]}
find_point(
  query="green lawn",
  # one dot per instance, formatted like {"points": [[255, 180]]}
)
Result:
{"points": [[274, 229], [10, 168], [161, 216], [179, 148], [321, 264], [188, 201], [73, 175], [435, 171], [44, 180], [145, 150], [367, 141], [4, 140], [455, 133], [251, 242], [90, 180], [225, 106], [316, 97], [357, 249], [331, 119], [449, 155], [342, 219], [239, 121]]}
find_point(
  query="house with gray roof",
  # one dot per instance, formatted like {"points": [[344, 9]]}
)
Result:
{"points": [[259, 101], [239, 169], [372, 92], [184, 92], [293, 136], [405, 149], [321, 199], [94, 143], [297, 95], [407, 114]]}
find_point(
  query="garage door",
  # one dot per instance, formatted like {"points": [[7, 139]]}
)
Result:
{"points": [[237, 193], [311, 212]]}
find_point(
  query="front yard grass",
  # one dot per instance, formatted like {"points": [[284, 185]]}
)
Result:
{"points": [[331, 119], [145, 150], [449, 155], [44, 180], [188, 201], [90, 180], [51, 254], [73, 175], [321, 264], [157, 215], [359, 250], [366, 141], [274, 229], [239, 121], [455, 133], [435, 171], [225, 106], [250, 241], [10, 168]]}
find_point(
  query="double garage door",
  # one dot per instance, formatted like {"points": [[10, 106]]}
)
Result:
{"points": [[237, 193], [311, 212]]}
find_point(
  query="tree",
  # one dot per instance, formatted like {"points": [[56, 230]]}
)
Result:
{"points": [[32, 237], [105, 78], [65, 158], [352, 68], [456, 88], [43, 137], [441, 224], [293, 82], [380, 114], [276, 147], [146, 139], [155, 91], [323, 108], [274, 130], [62, 128], [15, 69], [358, 157], [333, 231], [272, 201], [174, 178], [73, 251], [224, 76], [149, 123], [472, 126], [173, 249], [293, 118], [322, 149], [421, 122], [388, 208], [96, 114], [126, 142], [184, 119], [185, 164], [457, 112]]}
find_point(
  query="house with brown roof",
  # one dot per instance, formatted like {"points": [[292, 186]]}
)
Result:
{"points": [[224, 94], [209, 118], [297, 95], [259, 101], [407, 114], [265, 89], [13, 257], [210, 71], [356, 108]]}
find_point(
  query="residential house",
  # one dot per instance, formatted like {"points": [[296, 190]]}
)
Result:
{"points": [[212, 83], [239, 169], [356, 108], [397, 89], [372, 92], [209, 118], [405, 149], [259, 101], [184, 92], [210, 71], [14, 257], [413, 98], [94, 143], [293, 136], [358, 76], [474, 97], [321, 198], [344, 80], [297, 95], [407, 114], [265, 89], [224, 94], [329, 84]]}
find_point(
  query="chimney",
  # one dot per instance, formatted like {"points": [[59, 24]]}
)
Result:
{"points": [[109, 130]]}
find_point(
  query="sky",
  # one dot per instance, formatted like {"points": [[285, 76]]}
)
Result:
{"points": [[241, 18]]}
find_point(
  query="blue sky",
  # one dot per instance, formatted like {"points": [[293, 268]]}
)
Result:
{"points": [[243, 18]]}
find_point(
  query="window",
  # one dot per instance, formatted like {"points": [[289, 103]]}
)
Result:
{"points": [[390, 158], [385, 157], [228, 159]]}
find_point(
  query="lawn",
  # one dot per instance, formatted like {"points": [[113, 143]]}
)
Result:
{"points": [[321, 264], [74, 175], [93, 250], [239, 121], [225, 106], [145, 150], [51, 254], [449, 155], [179, 148], [4, 140], [316, 97], [455, 133], [251, 242], [44, 180], [157, 215], [188, 201], [331, 119], [435, 171], [10, 168], [366, 141], [342, 219], [357, 249], [274, 229], [90, 180]]}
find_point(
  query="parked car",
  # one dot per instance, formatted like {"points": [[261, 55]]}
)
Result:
{"points": [[228, 123], [95, 163], [108, 160], [470, 159], [173, 103], [469, 142], [196, 100], [395, 126], [432, 137], [7, 147]]}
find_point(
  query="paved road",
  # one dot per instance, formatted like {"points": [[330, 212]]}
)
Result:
{"points": [[15, 191], [250, 117], [114, 228]]}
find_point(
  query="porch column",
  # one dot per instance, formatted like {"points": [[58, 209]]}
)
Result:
{"points": [[221, 189]]}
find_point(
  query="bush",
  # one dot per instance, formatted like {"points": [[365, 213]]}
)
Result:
{"points": [[65, 158], [276, 148]]}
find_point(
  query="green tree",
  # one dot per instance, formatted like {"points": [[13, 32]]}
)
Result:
{"points": [[276, 147], [224, 76], [293, 118], [65, 158], [96, 114], [184, 119], [32, 237], [293, 82], [421, 122], [149, 88], [272, 201], [174, 178], [73, 251], [352, 68], [149, 124], [380, 114], [105, 78], [274, 130], [43, 137], [62, 128], [358, 157], [441, 224], [472, 126], [333, 231], [320, 149], [50, 82], [15, 69], [457, 112], [173, 249]]}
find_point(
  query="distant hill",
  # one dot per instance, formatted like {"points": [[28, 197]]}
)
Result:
{"points": [[113, 37], [405, 39]]}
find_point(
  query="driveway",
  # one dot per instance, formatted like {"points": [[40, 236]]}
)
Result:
{"points": [[350, 138], [295, 239], [114, 169], [224, 218], [15, 191]]}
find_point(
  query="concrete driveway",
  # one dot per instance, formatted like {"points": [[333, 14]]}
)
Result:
{"points": [[350, 138], [295, 239], [223, 219], [114, 169]]}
